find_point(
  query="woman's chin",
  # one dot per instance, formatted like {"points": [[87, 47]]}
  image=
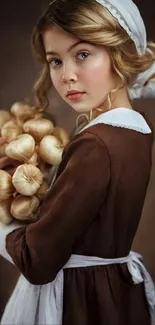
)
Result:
{"points": [[82, 107]]}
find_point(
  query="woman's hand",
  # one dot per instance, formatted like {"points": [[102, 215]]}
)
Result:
{"points": [[7, 163]]}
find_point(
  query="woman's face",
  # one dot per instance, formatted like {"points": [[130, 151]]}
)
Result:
{"points": [[79, 67]]}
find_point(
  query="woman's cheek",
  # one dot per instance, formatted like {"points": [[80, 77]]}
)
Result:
{"points": [[52, 76], [99, 63], [54, 80]]}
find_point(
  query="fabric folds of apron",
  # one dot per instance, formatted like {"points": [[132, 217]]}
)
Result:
{"points": [[43, 304]]}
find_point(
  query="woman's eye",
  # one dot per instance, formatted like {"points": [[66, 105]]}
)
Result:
{"points": [[82, 55], [54, 62]]}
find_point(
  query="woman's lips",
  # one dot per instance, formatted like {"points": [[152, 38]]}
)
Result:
{"points": [[75, 96]]}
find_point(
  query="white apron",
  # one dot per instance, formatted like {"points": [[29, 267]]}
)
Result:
{"points": [[43, 304]]}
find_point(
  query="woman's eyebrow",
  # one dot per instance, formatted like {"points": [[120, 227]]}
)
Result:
{"points": [[69, 49]]}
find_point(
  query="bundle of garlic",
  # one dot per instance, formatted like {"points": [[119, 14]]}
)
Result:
{"points": [[29, 134], [37, 144]]}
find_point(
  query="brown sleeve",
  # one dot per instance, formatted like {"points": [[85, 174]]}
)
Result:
{"points": [[41, 249]]}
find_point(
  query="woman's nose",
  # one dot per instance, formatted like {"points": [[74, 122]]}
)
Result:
{"points": [[69, 74]]}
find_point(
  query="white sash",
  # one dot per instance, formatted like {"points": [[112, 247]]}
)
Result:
{"points": [[43, 304]]}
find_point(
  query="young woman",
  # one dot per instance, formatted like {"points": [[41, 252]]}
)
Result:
{"points": [[75, 261]]}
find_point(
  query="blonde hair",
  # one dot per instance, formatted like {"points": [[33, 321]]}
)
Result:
{"points": [[91, 22]]}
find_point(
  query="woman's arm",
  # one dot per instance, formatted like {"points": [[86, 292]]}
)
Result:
{"points": [[41, 249]]}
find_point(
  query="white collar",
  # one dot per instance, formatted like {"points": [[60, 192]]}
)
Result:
{"points": [[124, 118]]}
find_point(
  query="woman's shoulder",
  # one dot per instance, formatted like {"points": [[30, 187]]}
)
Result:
{"points": [[112, 130], [88, 140], [120, 123], [85, 152]]}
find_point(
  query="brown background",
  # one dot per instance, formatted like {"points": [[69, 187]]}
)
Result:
{"points": [[18, 71]]}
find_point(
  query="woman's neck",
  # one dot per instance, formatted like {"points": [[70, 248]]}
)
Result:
{"points": [[116, 99]]}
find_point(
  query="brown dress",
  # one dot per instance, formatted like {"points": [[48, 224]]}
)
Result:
{"points": [[93, 209]]}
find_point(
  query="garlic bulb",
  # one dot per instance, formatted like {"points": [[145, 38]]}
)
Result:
{"points": [[11, 130], [4, 117], [5, 214], [2, 150], [21, 148], [50, 150], [6, 187], [22, 111], [25, 207], [38, 128], [27, 179], [42, 190], [62, 135]]}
